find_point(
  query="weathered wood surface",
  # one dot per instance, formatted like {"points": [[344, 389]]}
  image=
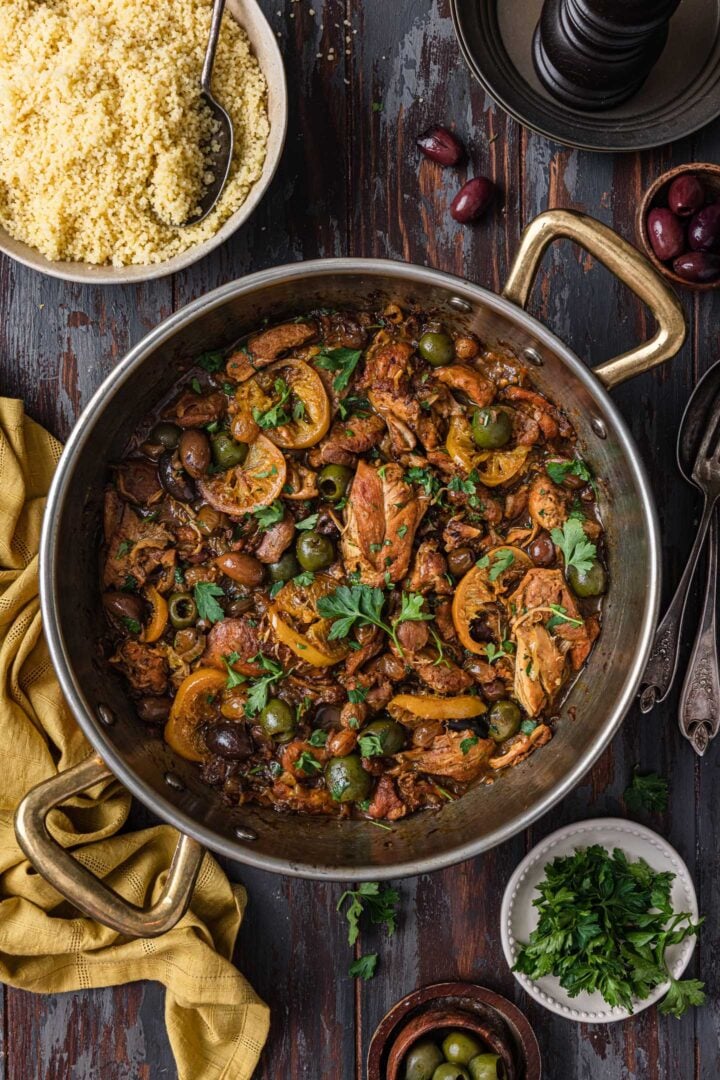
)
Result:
{"points": [[350, 182]]}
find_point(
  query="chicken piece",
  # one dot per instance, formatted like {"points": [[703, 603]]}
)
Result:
{"points": [[143, 666], [295, 749], [549, 419], [445, 677], [547, 503], [371, 641], [468, 381], [196, 410], [418, 793], [539, 667], [379, 696], [342, 330], [136, 547], [265, 347], [138, 482], [522, 746], [387, 382], [346, 439], [516, 504], [300, 799], [445, 757], [541, 588], [385, 802], [429, 570], [525, 429], [382, 516], [275, 540], [301, 482], [458, 533], [444, 621], [301, 684], [233, 636]]}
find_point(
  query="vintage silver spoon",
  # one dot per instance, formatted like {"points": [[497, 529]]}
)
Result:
{"points": [[216, 161], [698, 455]]}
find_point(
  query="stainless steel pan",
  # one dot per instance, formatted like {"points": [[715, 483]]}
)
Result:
{"points": [[313, 847]]}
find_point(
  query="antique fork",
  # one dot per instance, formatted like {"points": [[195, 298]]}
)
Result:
{"points": [[699, 712]]}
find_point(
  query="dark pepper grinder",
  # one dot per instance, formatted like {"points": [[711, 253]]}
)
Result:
{"points": [[595, 54]]}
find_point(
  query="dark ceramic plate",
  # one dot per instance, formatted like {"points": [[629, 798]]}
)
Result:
{"points": [[681, 94]]}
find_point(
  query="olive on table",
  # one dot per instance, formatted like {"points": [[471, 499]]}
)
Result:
{"points": [[314, 551], [194, 451], [686, 194], [700, 267], [333, 481], [441, 145], [504, 720], [422, 1060], [226, 452], [486, 1067], [277, 720], [175, 481], [437, 348], [666, 233], [459, 1047], [153, 710], [472, 200], [542, 550], [285, 568], [704, 229], [491, 427], [229, 741], [244, 569], [448, 1071], [182, 610], [165, 434], [346, 779], [587, 583], [124, 605], [461, 560], [390, 734]]}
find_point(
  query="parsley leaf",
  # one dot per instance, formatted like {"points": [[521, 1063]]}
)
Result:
{"points": [[210, 361], [318, 737], [561, 616], [304, 579], [372, 744], [411, 609], [308, 763], [682, 995], [341, 360], [649, 792], [124, 547], [502, 561], [234, 677], [558, 470], [269, 515], [132, 624], [425, 479], [378, 901], [260, 687], [357, 694], [577, 550], [364, 967], [494, 652], [308, 522], [466, 745], [361, 605], [276, 414], [207, 606]]}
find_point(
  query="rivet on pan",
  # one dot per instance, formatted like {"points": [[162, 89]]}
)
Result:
{"points": [[598, 427], [245, 834], [459, 304], [174, 781], [534, 357], [105, 715]]}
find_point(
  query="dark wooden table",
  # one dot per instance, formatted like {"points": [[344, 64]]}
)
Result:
{"points": [[364, 80]]}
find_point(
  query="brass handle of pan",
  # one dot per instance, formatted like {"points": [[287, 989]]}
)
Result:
{"points": [[621, 259], [77, 884]]}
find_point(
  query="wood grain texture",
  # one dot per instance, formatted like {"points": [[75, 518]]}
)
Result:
{"points": [[351, 183]]}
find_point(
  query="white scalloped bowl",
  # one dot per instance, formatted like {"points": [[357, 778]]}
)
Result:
{"points": [[265, 47], [518, 917]]}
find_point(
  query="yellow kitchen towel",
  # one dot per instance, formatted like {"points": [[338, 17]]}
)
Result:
{"points": [[216, 1023]]}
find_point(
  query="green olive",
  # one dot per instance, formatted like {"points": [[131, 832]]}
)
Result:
{"points": [[277, 720], [390, 734], [436, 348], [334, 481], [504, 719], [491, 427], [422, 1060], [459, 1047], [166, 434], [346, 779], [287, 567], [226, 452], [182, 610], [486, 1067], [590, 582], [314, 551], [448, 1071]]}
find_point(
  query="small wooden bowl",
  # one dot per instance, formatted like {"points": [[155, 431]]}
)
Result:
{"points": [[656, 195], [438, 1022]]}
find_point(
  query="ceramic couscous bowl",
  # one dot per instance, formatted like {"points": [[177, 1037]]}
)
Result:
{"points": [[264, 45]]}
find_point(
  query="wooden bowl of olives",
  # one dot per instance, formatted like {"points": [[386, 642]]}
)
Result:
{"points": [[678, 225]]}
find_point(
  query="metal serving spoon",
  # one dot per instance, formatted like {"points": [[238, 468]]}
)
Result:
{"points": [[218, 160], [698, 457]]}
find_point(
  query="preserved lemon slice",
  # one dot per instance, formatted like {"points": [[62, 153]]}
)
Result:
{"points": [[484, 585], [257, 482], [494, 467], [303, 387], [158, 616], [432, 707], [196, 703], [295, 621]]}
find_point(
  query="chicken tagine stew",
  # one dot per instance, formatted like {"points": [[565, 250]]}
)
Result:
{"points": [[351, 568]]}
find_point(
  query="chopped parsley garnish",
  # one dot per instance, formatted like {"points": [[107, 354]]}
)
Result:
{"points": [[234, 677], [649, 792], [132, 624], [308, 522], [558, 470], [357, 694], [425, 479], [259, 687], [528, 726], [577, 550], [495, 652], [402, 531], [308, 763], [207, 606], [560, 617], [197, 388], [502, 560], [318, 737], [466, 745], [269, 515], [304, 579], [371, 745], [211, 362], [340, 360], [360, 605], [130, 583], [276, 415], [124, 547]]}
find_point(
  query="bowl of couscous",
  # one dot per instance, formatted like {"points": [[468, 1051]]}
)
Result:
{"points": [[101, 132]]}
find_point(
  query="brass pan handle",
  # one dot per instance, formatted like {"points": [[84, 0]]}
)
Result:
{"points": [[623, 260], [77, 884]]}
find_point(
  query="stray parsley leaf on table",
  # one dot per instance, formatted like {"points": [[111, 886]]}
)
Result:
{"points": [[364, 967], [378, 901], [208, 607], [577, 550], [649, 792]]}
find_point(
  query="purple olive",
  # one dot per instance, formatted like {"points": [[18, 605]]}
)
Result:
{"points": [[700, 267], [686, 194], [441, 145], [666, 232], [472, 199], [229, 741], [704, 229]]}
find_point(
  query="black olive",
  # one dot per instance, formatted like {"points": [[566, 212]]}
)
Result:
{"points": [[175, 481], [478, 725], [230, 741]]}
